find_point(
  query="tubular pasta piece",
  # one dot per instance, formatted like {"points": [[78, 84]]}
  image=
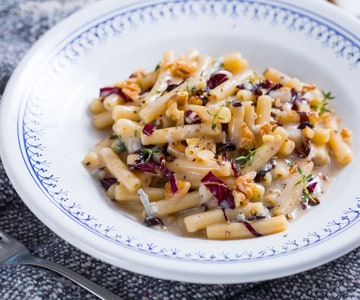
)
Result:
{"points": [[130, 112], [126, 127], [291, 191], [171, 205], [201, 168], [121, 193], [119, 170], [201, 220], [228, 88], [102, 120], [157, 108], [341, 149], [179, 133], [235, 231]]}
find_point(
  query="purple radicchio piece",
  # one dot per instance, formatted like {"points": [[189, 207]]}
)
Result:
{"points": [[170, 176], [107, 182], [217, 78], [305, 148], [305, 124], [148, 167], [251, 229], [106, 91], [221, 147], [148, 129], [235, 168], [219, 190], [153, 221], [192, 117]]}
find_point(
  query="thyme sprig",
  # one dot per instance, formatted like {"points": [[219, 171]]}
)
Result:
{"points": [[215, 117], [149, 153], [249, 158], [322, 106], [308, 196]]}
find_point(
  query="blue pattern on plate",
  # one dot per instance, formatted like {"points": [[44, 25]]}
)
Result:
{"points": [[345, 45]]}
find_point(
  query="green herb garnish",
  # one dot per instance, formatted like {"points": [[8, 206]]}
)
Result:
{"points": [[149, 153], [215, 117], [322, 106], [158, 66], [249, 158], [120, 147], [113, 137], [307, 196]]}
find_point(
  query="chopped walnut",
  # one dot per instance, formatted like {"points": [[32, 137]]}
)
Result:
{"points": [[184, 67], [129, 87], [247, 136], [244, 185], [267, 128]]}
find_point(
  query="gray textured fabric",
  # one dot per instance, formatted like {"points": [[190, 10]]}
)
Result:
{"points": [[22, 22]]}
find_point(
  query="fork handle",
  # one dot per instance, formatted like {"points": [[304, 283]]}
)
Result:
{"points": [[75, 277]]}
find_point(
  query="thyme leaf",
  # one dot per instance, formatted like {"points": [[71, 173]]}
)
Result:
{"points": [[215, 117], [249, 157], [149, 153], [157, 67], [322, 106], [308, 196]]}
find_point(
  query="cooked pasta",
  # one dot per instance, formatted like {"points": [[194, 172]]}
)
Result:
{"points": [[209, 148]]}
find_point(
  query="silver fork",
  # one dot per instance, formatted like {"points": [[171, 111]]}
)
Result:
{"points": [[13, 252]]}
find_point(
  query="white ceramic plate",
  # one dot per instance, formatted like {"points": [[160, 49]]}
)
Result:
{"points": [[46, 129]]}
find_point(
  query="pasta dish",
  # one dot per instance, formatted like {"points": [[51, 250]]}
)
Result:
{"points": [[207, 147]]}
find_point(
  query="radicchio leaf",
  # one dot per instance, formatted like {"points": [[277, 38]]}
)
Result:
{"points": [[192, 117], [304, 117], [124, 96], [260, 175], [149, 167], [220, 147], [217, 78], [235, 168], [106, 183], [148, 129], [311, 187], [305, 124], [153, 221], [304, 150], [170, 176], [219, 190], [274, 87], [236, 103], [251, 229], [106, 91], [172, 86]]}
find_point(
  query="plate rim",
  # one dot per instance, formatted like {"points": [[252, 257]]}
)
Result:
{"points": [[9, 90]]}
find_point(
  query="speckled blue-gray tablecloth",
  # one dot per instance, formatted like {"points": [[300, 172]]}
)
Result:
{"points": [[22, 22]]}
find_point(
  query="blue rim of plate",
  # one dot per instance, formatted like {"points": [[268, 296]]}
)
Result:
{"points": [[330, 35]]}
